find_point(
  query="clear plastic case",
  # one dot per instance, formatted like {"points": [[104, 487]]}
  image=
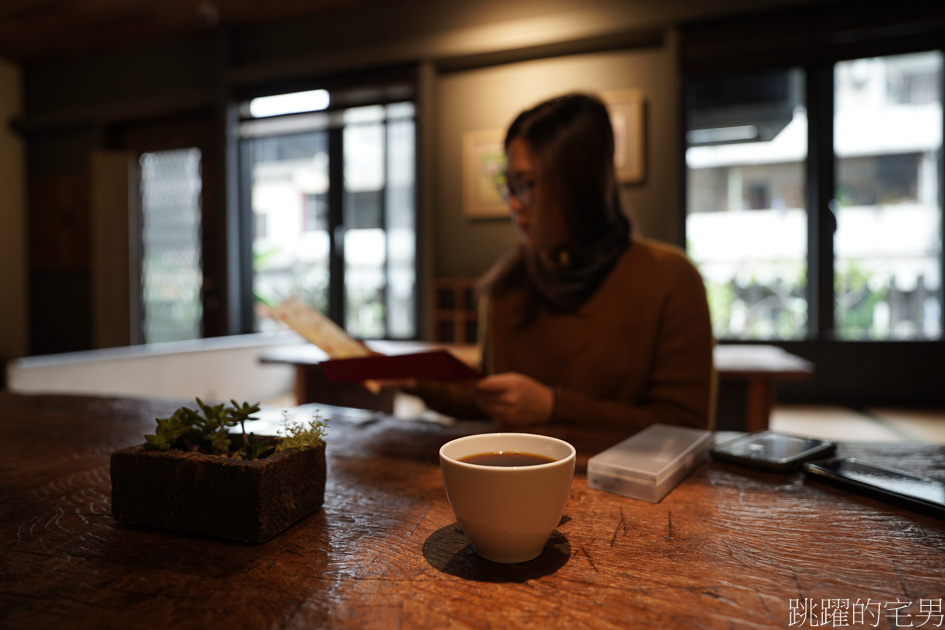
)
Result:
{"points": [[650, 463]]}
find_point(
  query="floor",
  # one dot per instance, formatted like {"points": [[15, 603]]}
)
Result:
{"points": [[866, 425]]}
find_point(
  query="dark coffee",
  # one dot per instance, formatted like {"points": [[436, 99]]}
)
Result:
{"points": [[507, 458]]}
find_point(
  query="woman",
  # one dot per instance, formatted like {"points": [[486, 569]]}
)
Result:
{"points": [[583, 323]]}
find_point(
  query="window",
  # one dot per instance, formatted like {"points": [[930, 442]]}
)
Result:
{"points": [[291, 255], [335, 191], [888, 243], [171, 271], [751, 220], [746, 223], [380, 234]]}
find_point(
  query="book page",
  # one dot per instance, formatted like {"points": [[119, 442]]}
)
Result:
{"points": [[318, 329]]}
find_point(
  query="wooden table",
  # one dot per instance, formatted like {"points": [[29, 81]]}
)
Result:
{"points": [[748, 377], [727, 548]]}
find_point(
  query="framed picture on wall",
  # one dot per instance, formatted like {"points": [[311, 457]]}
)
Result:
{"points": [[627, 110], [483, 162]]}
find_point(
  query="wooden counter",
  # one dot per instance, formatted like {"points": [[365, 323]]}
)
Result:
{"points": [[728, 548]]}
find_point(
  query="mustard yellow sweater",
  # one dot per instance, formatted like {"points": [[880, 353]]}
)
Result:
{"points": [[638, 351]]}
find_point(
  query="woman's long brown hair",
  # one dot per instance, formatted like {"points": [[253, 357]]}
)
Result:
{"points": [[573, 140]]}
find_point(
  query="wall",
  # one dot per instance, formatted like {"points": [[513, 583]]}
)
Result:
{"points": [[13, 254], [488, 99]]}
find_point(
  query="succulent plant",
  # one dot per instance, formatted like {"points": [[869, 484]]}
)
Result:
{"points": [[207, 430]]}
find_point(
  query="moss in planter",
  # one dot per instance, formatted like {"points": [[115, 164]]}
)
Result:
{"points": [[244, 500]]}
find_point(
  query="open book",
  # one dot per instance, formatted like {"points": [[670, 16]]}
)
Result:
{"points": [[351, 361], [318, 329]]}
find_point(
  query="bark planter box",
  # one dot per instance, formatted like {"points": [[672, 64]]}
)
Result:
{"points": [[245, 500]]}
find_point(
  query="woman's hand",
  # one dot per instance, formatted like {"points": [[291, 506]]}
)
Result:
{"points": [[516, 399]]}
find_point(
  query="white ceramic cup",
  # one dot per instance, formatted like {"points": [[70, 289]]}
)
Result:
{"points": [[508, 513]]}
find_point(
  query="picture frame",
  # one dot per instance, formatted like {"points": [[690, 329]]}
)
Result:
{"points": [[627, 116], [483, 162]]}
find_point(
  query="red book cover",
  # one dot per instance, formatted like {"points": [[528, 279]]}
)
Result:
{"points": [[436, 365]]}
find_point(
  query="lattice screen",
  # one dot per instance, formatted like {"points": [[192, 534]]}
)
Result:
{"points": [[171, 275]]}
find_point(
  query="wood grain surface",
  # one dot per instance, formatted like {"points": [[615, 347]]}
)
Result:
{"points": [[728, 548]]}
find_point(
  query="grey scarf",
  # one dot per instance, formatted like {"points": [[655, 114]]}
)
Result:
{"points": [[567, 277]]}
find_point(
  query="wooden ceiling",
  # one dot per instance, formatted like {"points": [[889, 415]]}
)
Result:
{"points": [[41, 30]]}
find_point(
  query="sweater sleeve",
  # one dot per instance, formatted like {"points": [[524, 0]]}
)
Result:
{"points": [[680, 381]]}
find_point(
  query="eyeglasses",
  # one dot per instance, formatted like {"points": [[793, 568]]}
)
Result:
{"points": [[523, 191]]}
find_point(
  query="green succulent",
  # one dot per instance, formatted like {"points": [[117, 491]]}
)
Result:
{"points": [[254, 448], [206, 430], [302, 436]]}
